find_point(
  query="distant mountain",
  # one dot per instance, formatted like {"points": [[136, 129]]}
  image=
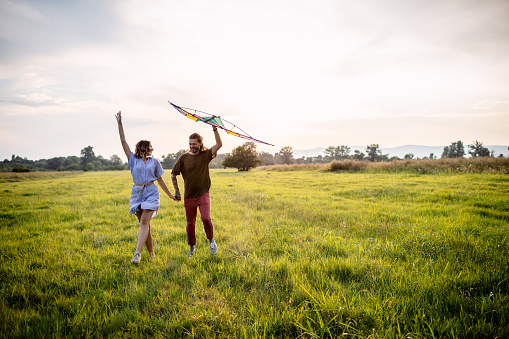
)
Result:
{"points": [[418, 151], [309, 152]]}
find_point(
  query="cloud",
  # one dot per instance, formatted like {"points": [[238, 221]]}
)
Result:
{"points": [[435, 36], [285, 71], [492, 105], [45, 27]]}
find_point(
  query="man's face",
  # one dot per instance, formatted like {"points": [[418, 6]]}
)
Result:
{"points": [[194, 146]]}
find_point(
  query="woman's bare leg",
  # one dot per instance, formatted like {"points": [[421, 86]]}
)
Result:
{"points": [[144, 218], [148, 242]]}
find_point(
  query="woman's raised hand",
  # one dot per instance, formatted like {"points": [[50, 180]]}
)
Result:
{"points": [[119, 117]]}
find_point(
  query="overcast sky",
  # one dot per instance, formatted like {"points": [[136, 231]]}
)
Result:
{"points": [[300, 73]]}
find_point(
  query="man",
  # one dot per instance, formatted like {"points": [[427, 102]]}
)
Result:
{"points": [[194, 167]]}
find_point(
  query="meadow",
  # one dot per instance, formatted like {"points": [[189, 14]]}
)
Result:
{"points": [[302, 254]]}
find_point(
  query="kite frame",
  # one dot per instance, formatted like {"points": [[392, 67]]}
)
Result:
{"points": [[211, 121]]}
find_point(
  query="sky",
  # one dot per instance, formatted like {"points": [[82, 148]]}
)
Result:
{"points": [[299, 73]]}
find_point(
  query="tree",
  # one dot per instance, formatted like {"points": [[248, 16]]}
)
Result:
{"points": [[358, 155], [55, 163], [97, 163], [243, 157], [304, 160], [338, 152], [343, 152], [170, 159], [445, 152], [455, 150], [409, 156], [330, 153], [217, 162], [318, 159], [17, 159], [266, 158], [73, 167], [478, 150], [285, 155], [116, 160], [374, 152], [87, 155], [70, 160]]}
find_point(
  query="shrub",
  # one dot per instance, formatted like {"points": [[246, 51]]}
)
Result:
{"points": [[20, 169], [348, 166]]}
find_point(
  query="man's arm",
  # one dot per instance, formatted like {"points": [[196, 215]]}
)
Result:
{"points": [[176, 186], [218, 144]]}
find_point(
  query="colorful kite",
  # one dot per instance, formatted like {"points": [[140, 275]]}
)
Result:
{"points": [[216, 121]]}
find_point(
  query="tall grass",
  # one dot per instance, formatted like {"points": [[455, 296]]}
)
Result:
{"points": [[16, 176], [422, 166], [292, 167], [301, 254]]}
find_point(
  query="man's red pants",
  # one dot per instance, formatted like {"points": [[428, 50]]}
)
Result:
{"points": [[191, 205]]}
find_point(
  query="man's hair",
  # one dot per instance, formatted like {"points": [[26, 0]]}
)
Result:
{"points": [[142, 148], [200, 140]]}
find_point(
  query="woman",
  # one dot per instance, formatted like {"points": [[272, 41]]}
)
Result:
{"points": [[144, 200]]}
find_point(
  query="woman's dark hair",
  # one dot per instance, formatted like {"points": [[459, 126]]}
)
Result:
{"points": [[142, 148]]}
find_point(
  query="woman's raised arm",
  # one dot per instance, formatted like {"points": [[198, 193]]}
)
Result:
{"points": [[125, 146]]}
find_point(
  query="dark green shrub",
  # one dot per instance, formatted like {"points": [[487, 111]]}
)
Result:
{"points": [[20, 169]]}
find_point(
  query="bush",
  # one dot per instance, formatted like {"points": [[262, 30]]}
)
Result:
{"points": [[20, 169], [348, 166]]}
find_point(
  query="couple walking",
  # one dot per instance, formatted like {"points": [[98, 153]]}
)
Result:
{"points": [[144, 201]]}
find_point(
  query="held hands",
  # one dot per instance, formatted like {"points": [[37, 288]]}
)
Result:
{"points": [[175, 197], [119, 117]]}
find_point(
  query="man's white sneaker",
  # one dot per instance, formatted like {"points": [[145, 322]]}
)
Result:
{"points": [[191, 251], [213, 247], [136, 258]]}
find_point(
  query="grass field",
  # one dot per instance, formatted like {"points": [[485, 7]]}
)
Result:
{"points": [[301, 254]]}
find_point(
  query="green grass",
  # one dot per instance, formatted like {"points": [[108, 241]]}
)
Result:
{"points": [[302, 254]]}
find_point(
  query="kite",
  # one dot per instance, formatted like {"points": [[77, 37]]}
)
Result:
{"points": [[216, 121]]}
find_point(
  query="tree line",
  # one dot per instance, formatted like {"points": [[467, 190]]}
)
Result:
{"points": [[87, 161], [243, 158]]}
